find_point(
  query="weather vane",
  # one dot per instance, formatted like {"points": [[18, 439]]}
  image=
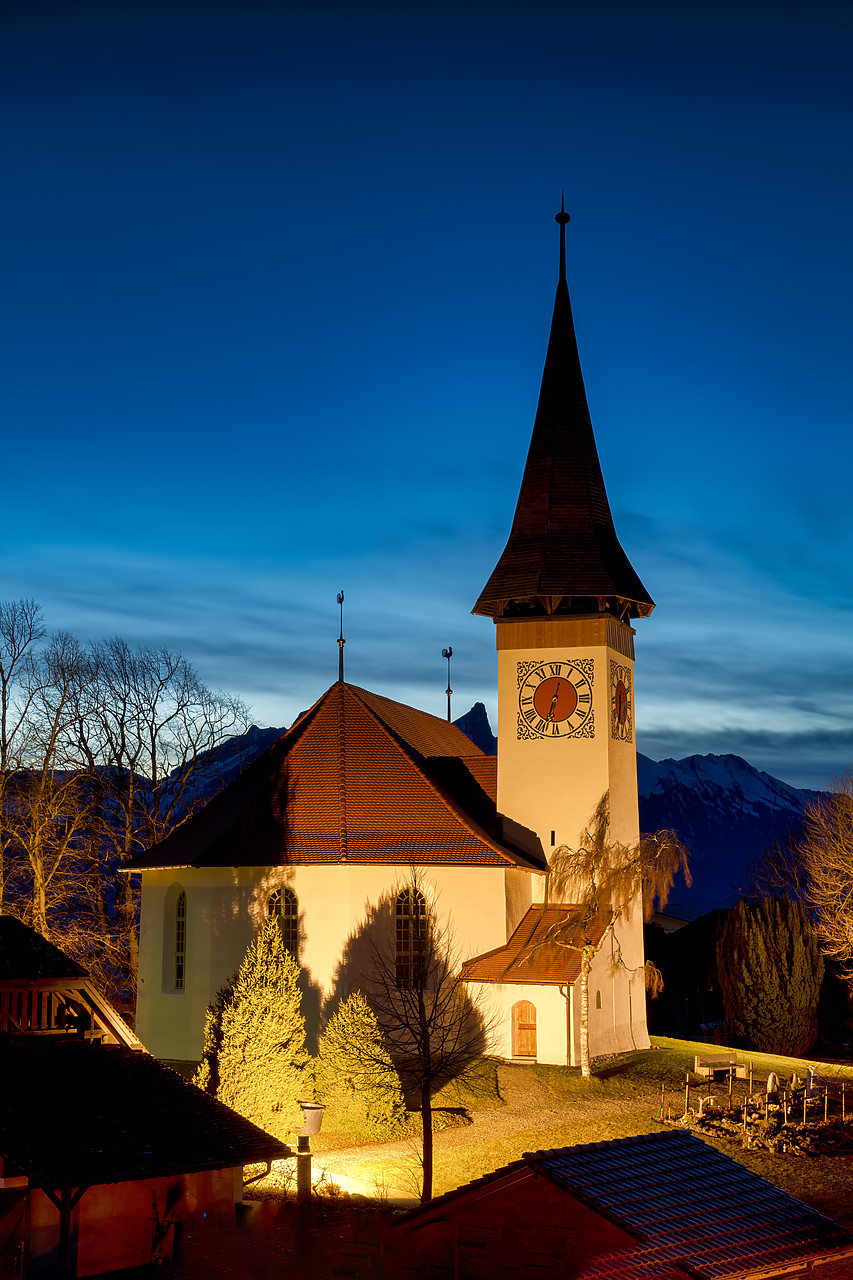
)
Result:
{"points": [[341, 640], [562, 217], [448, 654]]}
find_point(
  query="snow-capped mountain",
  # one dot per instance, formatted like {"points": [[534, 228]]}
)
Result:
{"points": [[725, 811]]}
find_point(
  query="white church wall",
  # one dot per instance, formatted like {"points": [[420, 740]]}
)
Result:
{"points": [[496, 1002], [617, 995], [225, 907]]}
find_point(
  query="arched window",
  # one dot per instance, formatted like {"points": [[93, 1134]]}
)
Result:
{"points": [[283, 903], [598, 999], [411, 921], [180, 939]]}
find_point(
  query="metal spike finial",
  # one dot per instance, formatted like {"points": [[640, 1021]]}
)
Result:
{"points": [[448, 654], [562, 217], [341, 640]]}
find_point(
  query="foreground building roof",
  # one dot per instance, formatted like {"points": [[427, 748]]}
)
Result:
{"points": [[44, 992], [358, 779], [532, 957], [74, 1113], [82, 1103], [689, 1209], [563, 555]]}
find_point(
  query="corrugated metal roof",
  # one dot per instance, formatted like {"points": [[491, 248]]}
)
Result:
{"points": [[690, 1206], [361, 779]]}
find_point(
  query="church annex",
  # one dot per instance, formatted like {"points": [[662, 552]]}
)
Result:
{"points": [[327, 827]]}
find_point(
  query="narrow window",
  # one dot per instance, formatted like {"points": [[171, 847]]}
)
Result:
{"points": [[284, 904], [598, 999], [180, 939], [411, 919]]}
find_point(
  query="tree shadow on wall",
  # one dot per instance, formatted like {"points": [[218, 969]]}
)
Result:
{"points": [[404, 961]]}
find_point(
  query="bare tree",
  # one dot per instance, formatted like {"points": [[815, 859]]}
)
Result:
{"points": [[152, 739], [822, 860], [103, 750], [412, 981], [46, 804], [21, 631], [599, 881]]}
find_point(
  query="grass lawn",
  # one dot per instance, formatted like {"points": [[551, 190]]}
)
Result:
{"points": [[620, 1094]]}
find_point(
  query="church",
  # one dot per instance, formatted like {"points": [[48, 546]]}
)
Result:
{"points": [[369, 810]]}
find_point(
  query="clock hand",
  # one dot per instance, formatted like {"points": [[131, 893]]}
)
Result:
{"points": [[550, 715]]}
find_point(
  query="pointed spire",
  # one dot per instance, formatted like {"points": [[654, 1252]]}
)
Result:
{"points": [[562, 555]]}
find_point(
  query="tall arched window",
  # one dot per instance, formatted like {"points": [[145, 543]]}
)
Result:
{"points": [[411, 922], [283, 903], [180, 939]]}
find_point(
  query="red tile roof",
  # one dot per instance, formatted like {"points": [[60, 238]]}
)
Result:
{"points": [[362, 779], [695, 1210], [530, 957]]}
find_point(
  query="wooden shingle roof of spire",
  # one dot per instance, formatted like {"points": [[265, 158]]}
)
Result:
{"points": [[563, 555], [357, 779]]}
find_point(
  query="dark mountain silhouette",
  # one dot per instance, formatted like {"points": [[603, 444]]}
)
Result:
{"points": [[725, 811]]}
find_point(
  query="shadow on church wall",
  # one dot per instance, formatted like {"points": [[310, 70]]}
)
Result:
{"points": [[408, 969]]}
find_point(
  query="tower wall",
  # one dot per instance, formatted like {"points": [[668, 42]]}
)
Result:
{"points": [[551, 777]]}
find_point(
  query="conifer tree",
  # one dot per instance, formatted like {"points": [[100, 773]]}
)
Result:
{"points": [[770, 970], [355, 1077], [255, 1052]]}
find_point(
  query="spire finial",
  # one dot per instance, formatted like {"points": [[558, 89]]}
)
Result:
{"points": [[448, 654], [562, 217], [341, 640]]}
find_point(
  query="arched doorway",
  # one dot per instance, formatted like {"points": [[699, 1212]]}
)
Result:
{"points": [[524, 1029]]}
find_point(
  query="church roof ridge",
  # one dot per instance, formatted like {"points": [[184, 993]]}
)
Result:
{"points": [[456, 811], [358, 778], [563, 555]]}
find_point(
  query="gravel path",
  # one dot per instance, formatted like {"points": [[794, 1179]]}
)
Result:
{"points": [[528, 1105]]}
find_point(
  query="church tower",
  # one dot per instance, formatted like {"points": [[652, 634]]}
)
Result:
{"points": [[563, 595]]}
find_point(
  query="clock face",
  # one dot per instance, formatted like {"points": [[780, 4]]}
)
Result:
{"points": [[554, 699], [621, 709]]}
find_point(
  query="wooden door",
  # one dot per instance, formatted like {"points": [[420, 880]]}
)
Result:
{"points": [[524, 1029]]}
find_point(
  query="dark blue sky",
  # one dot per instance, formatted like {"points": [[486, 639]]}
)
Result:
{"points": [[277, 280]]}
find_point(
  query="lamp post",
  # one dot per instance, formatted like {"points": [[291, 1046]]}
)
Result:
{"points": [[313, 1113]]}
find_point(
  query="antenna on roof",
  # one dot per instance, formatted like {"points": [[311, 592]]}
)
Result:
{"points": [[448, 654], [341, 640]]}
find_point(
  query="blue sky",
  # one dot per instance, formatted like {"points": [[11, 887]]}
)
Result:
{"points": [[277, 284]]}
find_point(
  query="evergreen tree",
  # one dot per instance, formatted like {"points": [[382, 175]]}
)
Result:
{"points": [[770, 970], [255, 1054], [355, 1077], [207, 1075]]}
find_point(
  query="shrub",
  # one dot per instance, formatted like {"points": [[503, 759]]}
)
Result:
{"points": [[355, 1078], [254, 1055], [770, 970]]}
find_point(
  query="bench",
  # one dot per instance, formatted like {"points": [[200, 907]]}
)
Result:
{"points": [[718, 1066]]}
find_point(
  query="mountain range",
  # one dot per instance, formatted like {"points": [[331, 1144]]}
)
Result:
{"points": [[725, 811]]}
